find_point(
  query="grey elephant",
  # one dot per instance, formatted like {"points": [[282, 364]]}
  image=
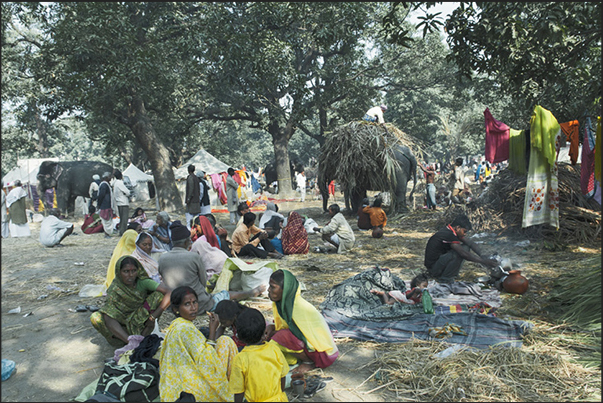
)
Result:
{"points": [[353, 197], [70, 180]]}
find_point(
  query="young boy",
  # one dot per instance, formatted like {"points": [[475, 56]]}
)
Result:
{"points": [[259, 370], [412, 296]]}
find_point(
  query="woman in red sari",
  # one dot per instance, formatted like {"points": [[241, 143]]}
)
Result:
{"points": [[295, 237]]}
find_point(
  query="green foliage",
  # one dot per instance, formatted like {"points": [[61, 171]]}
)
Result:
{"points": [[546, 53]]}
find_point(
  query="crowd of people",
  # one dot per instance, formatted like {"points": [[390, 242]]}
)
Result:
{"points": [[163, 264]]}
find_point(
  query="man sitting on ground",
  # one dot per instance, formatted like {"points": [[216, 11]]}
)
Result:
{"points": [[53, 230], [242, 209], [337, 232], [448, 248], [246, 237], [180, 267]]}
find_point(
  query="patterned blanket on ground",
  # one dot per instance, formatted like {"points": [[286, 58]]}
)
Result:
{"points": [[351, 310]]}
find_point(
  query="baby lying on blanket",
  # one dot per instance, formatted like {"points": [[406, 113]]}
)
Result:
{"points": [[412, 296]]}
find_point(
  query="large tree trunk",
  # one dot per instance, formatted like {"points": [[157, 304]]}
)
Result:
{"points": [[280, 140], [42, 135], [159, 157]]}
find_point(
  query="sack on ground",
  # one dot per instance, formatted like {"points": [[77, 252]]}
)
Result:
{"points": [[132, 382]]}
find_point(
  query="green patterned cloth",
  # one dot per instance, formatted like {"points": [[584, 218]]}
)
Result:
{"points": [[353, 298]]}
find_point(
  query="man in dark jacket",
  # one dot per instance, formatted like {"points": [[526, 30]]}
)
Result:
{"points": [[193, 194]]}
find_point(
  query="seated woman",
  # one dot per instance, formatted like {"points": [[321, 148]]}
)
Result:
{"points": [[160, 232], [140, 216], [134, 303], [142, 253], [188, 361], [295, 237], [125, 246], [269, 214], [299, 329], [92, 222], [207, 246], [224, 242]]}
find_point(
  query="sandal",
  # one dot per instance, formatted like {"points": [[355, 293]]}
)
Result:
{"points": [[81, 308], [92, 308], [311, 390]]}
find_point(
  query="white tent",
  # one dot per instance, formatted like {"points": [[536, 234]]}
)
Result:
{"points": [[26, 171], [139, 180], [203, 161]]}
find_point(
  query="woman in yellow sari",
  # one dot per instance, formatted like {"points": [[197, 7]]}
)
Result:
{"points": [[188, 361], [299, 329], [125, 246]]}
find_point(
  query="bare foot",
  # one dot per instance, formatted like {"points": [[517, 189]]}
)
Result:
{"points": [[383, 296], [257, 291], [303, 368], [377, 292]]}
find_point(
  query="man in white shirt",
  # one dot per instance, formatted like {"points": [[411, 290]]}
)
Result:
{"points": [[53, 230], [459, 181], [122, 200], [93, 190], [375, 114], [301, 184]]}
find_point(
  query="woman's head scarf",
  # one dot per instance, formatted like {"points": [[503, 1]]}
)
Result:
{"points": [[285, 305], [125, 246], [205, 228]]}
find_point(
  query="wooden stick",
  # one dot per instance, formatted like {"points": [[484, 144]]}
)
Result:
{"points": [[377, 388]]}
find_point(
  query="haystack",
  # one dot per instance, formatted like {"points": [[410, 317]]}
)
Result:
{"points": [[360, 154], [500, 210]]}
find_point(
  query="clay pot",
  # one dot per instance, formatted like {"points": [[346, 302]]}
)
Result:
{"points": [[515, 283], [377, 232]]}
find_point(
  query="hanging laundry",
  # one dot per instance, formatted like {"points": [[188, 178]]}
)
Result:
{"points": [[517, 151], [587, 169], [216, 182], [497, 139], [570, 129], [541, 204]]}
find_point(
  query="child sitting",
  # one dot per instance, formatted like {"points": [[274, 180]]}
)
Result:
{"points": [[259, 370], [227, 312], [412, 296]]}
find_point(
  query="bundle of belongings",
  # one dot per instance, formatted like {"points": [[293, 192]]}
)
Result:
{"points": [[352, 310]]}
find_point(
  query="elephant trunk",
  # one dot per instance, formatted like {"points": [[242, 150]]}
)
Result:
{"points": [[413, 171]]}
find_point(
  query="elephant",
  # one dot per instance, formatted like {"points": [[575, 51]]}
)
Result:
{"points": [[271, 176], [407, 170], [70, 180]]}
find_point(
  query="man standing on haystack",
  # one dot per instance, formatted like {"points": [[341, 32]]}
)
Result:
{"points": [[193, 196], [375, 114]]}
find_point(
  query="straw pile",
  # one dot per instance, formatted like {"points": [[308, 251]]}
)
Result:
{"points": [[501, 209], [498, 374], [360, 154]]}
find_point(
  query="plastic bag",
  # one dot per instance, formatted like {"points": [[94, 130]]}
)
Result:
{"points": [[427, 302], [8, 367], [92, 291]]}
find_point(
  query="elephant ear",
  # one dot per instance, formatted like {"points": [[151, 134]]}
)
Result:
{"points": [[58, 170]]}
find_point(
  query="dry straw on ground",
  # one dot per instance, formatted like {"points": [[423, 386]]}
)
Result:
{"points": [[500, 209], [498, 374]]}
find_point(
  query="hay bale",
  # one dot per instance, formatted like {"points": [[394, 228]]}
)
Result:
{"points": [[501, 209]]}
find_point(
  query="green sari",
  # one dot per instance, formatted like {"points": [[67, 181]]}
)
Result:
{"points": [[129, 306]]}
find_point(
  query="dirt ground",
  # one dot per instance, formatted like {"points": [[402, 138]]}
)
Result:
{"points": [[58, 353]]}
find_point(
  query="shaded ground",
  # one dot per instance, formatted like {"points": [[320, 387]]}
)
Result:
{"points": [[58, 352]]}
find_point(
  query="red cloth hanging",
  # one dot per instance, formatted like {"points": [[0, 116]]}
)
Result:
{"points": [[497, 139]]}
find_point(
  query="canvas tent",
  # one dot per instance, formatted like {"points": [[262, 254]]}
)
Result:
{"points": [[202, 161], [139, 180]]}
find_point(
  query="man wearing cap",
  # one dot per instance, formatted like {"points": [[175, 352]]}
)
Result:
{"points": [[93, 190], [375, 114], [180, 267]]}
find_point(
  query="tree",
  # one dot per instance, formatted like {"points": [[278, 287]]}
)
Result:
{"points": [[546, 53], [127, 65], [276, 65]]}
